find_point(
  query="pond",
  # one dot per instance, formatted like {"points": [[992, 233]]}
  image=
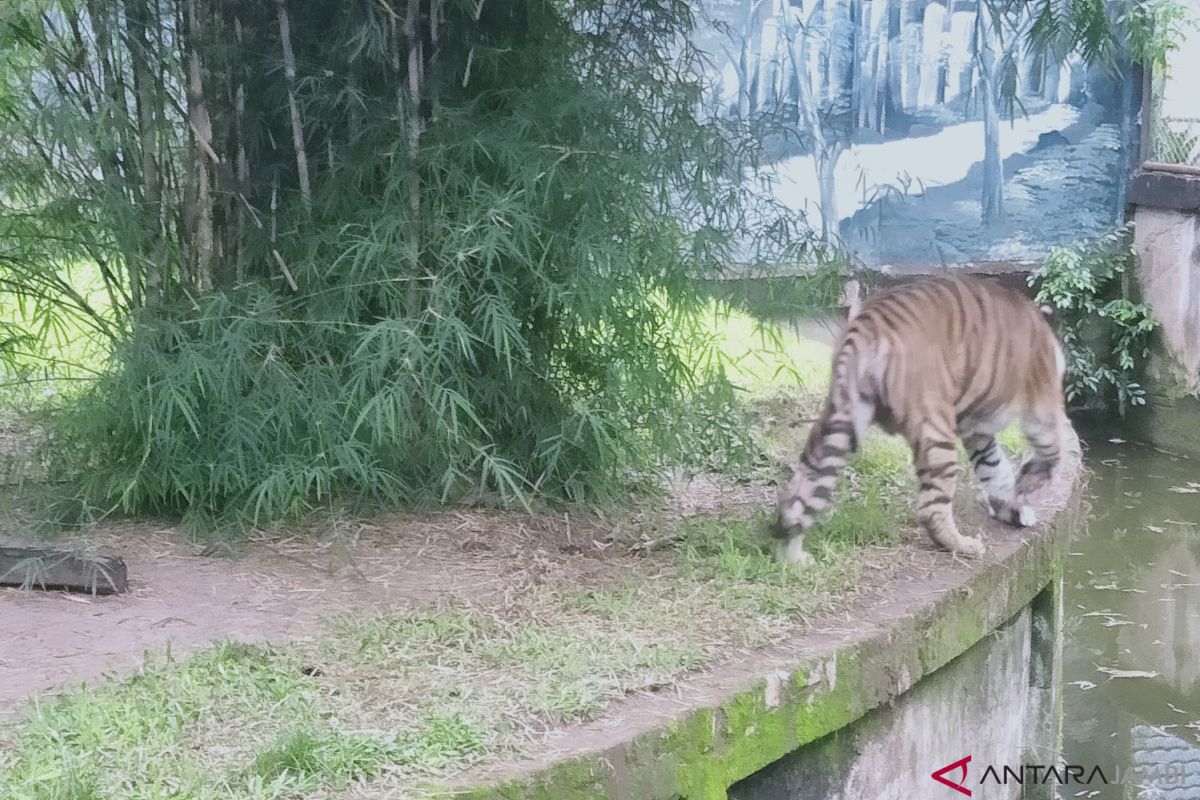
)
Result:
{"points": [[1099, 678], [1131, 656]]}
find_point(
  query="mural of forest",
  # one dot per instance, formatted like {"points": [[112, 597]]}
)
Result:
{"points": [[924, 131]]}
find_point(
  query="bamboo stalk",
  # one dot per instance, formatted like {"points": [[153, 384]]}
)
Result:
{"points": [[413, 100], [289, 72], [110, 86], [90, 96], [435, 51], [394, 42], [201, 126], [143, 88], [242, 168], [113, 85], [412, 120], [225, 186]]}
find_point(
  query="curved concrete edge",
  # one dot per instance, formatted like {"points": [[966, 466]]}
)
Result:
{"points": [[753, 715]]}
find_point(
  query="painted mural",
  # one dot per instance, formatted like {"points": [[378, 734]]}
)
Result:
{"points": [[922, 132]]}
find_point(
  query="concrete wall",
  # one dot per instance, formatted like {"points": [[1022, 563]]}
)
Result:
{"points": [[1167, 238], [1167, 230], [994, 703], [1168, 245]]}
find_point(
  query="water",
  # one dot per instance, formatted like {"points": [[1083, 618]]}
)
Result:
{"points": [[1132, 602], [1104, 674]]}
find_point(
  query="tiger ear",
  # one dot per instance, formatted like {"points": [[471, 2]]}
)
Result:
{"points": [[1047, 311]]}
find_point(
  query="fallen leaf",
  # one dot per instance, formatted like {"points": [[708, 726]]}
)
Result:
{"points": [[1126, 673], [1155, 529], [1189, 489]]}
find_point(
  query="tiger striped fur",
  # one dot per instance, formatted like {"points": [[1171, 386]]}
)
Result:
{"points": [[935, 361]]}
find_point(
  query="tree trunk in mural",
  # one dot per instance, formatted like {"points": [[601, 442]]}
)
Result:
{"points": [[993, 167], [911, 36], [826, 148], [743, 52], [843, 55], [943, 71], [1129, 139], [826, 162]]}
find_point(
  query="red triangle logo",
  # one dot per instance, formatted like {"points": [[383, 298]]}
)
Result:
{"points": [[961, 784]]}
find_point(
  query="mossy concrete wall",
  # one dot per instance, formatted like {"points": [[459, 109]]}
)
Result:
{"points": [[993, 703], [749, 717]]}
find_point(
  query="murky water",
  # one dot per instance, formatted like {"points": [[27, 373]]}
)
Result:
{"points": [[1103, 676], [1131, 655]]}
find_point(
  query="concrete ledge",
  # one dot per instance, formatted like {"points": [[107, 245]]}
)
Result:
{"points": [[1170, 190], [1013, 274], [734, 719]]}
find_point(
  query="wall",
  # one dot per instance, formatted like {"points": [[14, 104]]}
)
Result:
{"points": [[1167, 238], [1168, 245], [885, 126], [993, 703]]}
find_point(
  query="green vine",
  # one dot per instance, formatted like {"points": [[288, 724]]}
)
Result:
{"points": [[1105, 336]]}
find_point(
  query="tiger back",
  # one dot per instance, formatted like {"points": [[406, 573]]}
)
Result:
{"points": [[936, 361]]}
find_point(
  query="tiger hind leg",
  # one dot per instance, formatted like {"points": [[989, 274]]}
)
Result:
{"points": [[995, 474], [936, 458], [1045, 433]]}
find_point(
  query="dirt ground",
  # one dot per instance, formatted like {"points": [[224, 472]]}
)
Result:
{"points": [[184, 596]]}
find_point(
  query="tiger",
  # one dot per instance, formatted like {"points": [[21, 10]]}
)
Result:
{"points": [[937, 360]]}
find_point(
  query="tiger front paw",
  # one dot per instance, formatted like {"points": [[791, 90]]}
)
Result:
{"points": [[968, 546], [792, 552]]}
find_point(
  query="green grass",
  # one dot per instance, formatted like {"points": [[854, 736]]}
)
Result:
{"points": [[784, 298], [756, 356], [238, 721]]}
